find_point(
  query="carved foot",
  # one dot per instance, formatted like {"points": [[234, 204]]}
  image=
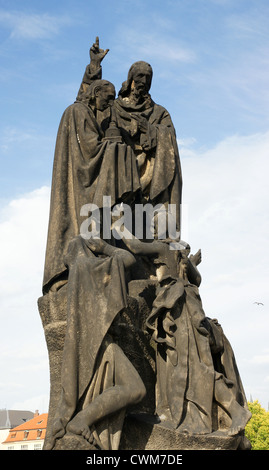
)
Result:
{"points": [[79, 426]]}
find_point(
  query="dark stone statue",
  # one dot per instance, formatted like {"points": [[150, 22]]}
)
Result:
{"points": [[97, 378], [135, 363], [148, 129], [194, 361]]}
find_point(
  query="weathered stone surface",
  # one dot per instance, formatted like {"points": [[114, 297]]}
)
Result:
{"points": [[128, 332], [72, 442], [138, 434], [128, 340], [52, 310]]}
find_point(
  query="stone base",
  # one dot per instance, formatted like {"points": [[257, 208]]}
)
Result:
{"points": [[144, 434], [139, 434], [73, 442], [130, 336]]}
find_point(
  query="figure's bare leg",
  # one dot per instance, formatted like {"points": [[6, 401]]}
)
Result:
{"points": [[129, 389], [111, 400]]}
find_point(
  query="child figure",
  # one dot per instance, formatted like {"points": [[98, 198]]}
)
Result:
{"points": [[187, 381]]}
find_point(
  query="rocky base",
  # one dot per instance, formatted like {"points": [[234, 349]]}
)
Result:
{"points": [[144, 434], [140, 432], [72, 442]]}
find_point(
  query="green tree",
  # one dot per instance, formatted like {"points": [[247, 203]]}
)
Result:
{"points": [[257, 429]]}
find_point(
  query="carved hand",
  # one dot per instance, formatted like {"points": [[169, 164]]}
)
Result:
{"points": [[142, 122], [197, 258], [97, 54]]}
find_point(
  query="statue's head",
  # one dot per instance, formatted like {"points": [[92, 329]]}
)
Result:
{"points": [[139, 79], [101, 94]]}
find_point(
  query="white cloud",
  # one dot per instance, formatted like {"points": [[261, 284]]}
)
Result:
{"points": [[262, 359], [226, 193], [11, 136], [32, 26], [7, 386], [23, 230], [249, 24], [157, 46], [226, 187], [23, 353], [149, 46], [39, 403]]}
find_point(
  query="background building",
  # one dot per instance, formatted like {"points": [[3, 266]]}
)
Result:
{"points": [[27, 436], [10, 419]]}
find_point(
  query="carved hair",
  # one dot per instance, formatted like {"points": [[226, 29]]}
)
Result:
{"points": [[87, 93], [144, 67], [96, 86]]}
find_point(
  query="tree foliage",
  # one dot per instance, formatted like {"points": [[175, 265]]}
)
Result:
{"points": [[257, 429]]}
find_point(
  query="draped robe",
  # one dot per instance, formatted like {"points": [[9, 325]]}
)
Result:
{"points": [[92, 361], [156, 151], [192, 353], [86, 168]]}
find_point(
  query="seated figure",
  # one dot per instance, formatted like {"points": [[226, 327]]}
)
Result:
{"points": [[98, 382]]}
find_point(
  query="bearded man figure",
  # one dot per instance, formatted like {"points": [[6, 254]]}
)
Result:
{"points": [[147, 127]]}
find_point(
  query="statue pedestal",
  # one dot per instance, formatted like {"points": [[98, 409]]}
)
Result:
{"points": [[138, 434], [140, 430], [130, 335]]}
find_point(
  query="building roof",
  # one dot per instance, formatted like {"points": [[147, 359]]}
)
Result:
{"points": [[34, 429], [11, 418]]}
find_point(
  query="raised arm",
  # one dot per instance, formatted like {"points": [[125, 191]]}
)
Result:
{"points": [[97, 55], [93, 69]]}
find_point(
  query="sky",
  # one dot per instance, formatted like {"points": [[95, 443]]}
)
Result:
{"points": [[210, 62]]}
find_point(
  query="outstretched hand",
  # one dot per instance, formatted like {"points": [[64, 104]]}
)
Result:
{"points": [[197, 258], [97, 54]]}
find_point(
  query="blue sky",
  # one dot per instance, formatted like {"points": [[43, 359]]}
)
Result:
{"points": [[211, 71], [209, 58]]}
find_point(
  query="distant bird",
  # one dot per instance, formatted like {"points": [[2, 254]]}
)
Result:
{"points": [[258, 303]]}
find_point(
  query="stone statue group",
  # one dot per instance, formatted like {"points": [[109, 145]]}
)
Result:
{"points": [[135, 342]]}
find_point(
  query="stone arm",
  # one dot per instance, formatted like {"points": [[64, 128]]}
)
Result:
{"points": [[137, 247], [101, 247], [193, 274], [197, 258], [148, 138], [97, 55], [152, 249], [93, 69], [149, 126]]}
